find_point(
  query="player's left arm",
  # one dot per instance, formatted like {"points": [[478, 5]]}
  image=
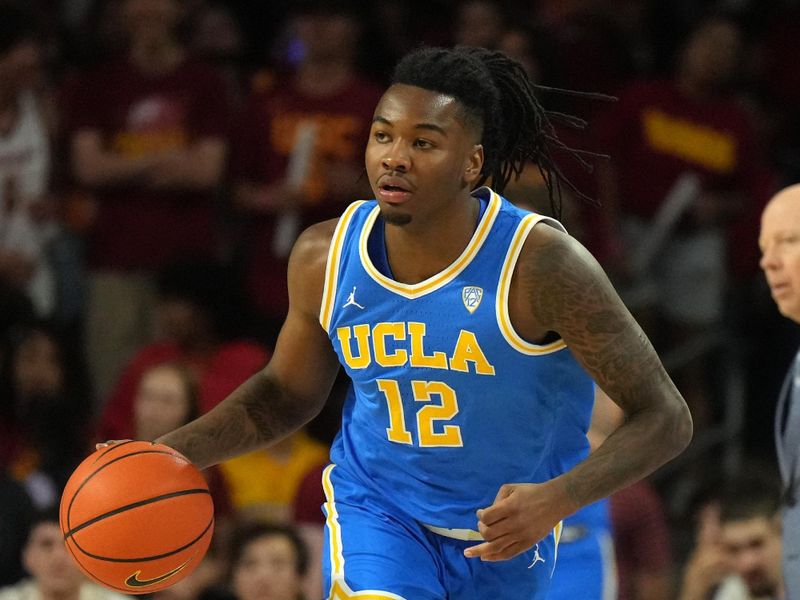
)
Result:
{"points": [[558, 286]]}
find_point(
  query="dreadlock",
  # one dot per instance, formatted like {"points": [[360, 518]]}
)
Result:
{"points": [[500, 99]]}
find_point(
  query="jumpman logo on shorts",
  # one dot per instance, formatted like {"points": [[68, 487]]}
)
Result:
{"points": [[536, 557], [351, 300]]}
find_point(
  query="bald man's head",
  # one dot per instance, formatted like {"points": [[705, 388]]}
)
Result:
{"points": [[779, 241]]}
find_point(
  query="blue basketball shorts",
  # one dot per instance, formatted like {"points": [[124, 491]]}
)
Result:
{"points": [[586, 566], [373, 551]]}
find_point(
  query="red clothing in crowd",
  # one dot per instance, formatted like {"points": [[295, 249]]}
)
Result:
{"points": [[310, 496], [262, 148], [218, 375], [641, 536], [656, 133], [136, 227]]}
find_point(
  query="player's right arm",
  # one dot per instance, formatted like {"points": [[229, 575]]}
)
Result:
{"points": [[291, 389]]}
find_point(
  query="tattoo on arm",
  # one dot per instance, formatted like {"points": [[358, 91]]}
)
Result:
{"points": [[259, 412], [568, 292]]}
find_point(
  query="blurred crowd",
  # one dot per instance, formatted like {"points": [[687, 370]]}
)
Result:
{"points": [[159, 157]]}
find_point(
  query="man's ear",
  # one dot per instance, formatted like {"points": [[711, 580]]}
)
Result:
{"points": [[474, 165]]}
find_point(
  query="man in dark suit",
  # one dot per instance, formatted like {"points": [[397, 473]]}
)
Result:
{"points": [[780, 259]]}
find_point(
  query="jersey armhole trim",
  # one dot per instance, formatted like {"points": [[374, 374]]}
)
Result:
{"points": [[332, 265], [504, 286]]}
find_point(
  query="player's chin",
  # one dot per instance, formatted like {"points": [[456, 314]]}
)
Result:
{"points": [[394, 216]]}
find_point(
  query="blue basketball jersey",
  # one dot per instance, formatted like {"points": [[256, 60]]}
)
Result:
{"points": [[448, 402]]}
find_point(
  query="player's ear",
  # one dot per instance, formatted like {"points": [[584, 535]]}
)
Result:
{"points": [[474, 164]]}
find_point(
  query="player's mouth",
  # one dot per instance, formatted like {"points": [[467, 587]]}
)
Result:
{"points": [[394, 190]]}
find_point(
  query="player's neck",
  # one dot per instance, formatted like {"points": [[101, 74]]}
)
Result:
{"points": [[418, 251]]}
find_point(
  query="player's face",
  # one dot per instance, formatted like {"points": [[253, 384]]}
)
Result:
{"points": [[780, 251], [422, 159], [755, 550], [46, 559], [267, 570]]}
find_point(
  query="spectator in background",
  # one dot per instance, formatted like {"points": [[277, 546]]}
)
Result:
{"points": [[200, 311], [215, 36], [53, 572], [45, 414], [684, 145], [16, 513], [148, 140], [27, 212], [299, 148], [264, 484], [479, 23], [268, 562], [168, 397], [642, 543], [737, 555], [586, 566]]}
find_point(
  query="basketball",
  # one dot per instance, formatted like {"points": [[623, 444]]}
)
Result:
{"points": [[137, 517]]}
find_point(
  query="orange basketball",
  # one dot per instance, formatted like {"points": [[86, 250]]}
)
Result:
{"points": [[137, 517]]}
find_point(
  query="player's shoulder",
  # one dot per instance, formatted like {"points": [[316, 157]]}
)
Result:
{"points": [[548, 250], [314, 242]]}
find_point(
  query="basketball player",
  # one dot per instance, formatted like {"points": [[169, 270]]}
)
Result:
{"points": [[471, 330]]}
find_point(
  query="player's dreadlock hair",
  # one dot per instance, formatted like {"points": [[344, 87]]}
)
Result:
{"points": [[500, 99]]}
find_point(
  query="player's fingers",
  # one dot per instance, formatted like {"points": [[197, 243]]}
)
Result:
{"points": [[504, 492], [495, 530], [489, 548], [508, 552], [498, 511]]}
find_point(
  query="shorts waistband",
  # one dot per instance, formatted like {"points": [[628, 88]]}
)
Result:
{"points": [[466, 535]]}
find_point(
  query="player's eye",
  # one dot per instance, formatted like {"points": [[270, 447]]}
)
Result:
{"points": [[381, 136], [422, 143]]}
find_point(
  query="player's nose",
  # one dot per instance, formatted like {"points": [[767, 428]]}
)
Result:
{"points": [[396, 159]]}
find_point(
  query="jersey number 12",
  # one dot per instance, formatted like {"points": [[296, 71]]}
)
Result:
{"points": [[427, 416]]}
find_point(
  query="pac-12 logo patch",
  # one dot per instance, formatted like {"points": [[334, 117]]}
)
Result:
{"points": [[472, 296]]}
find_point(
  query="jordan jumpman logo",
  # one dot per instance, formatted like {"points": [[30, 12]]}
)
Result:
{"points": [[536, 557], [351, 300]]}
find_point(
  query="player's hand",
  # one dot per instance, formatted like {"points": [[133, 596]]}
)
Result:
{"points": [[108, 443], [521, 516]]}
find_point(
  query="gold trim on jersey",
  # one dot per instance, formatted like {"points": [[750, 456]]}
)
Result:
{"points": [[415, 290], [332, 265], [503, 317], [339, 588]]}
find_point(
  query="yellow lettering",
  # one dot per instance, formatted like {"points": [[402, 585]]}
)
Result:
{"points": [[468, 349], [363, 358], [437, 360], [380, 332]]}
